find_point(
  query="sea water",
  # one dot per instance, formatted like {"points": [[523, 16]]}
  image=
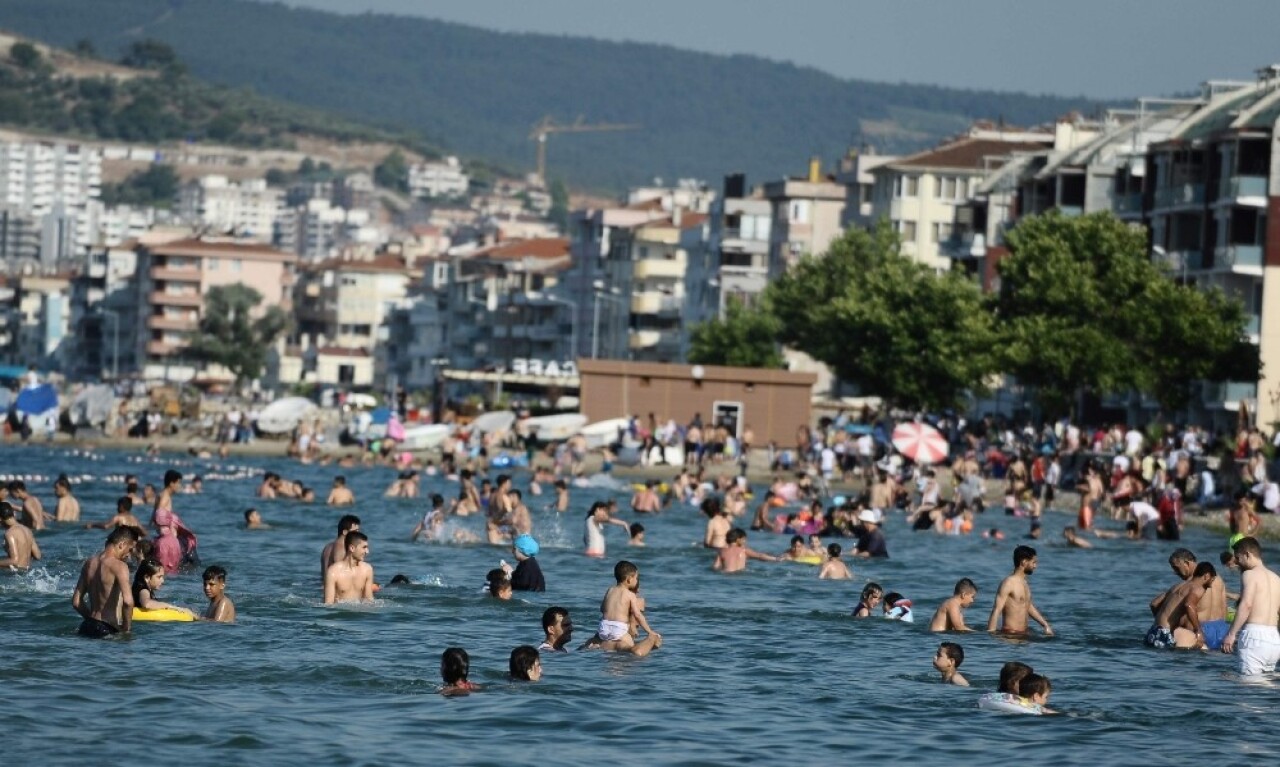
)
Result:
{"points": [[762, 665]]}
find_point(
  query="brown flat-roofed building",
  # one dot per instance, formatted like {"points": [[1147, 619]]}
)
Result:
{"points": [[771, 402]]}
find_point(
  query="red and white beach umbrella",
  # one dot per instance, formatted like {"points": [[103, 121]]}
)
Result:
{"points": [[920, 442]]}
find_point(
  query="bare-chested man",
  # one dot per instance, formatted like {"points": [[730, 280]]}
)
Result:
{"points": [[268, 487], [1253, 635], [1179, 606], [336, 550], [1210, 607], [718, 524], [341, 495], [950, 614], [124, 516], [1013, 598], [501, 505], [19, 543], [33, 513], [520, 520], [102, 595], [882, 491], [351, 579], [67, 508], [645, 500]]}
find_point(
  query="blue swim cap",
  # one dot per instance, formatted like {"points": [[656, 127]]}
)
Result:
{"points": [[526, 545]]}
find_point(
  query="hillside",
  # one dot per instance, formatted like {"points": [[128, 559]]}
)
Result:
{"points": [[76, 94], [478, 92]]}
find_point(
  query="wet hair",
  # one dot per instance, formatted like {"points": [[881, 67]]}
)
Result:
{"points": [[248, 513], [514, 493], [522, 660], [17, 485], [340, 480], [1205, 568], [624, 570], [1227, 557], [124, 504], [354, 537], [214, 573], [1034, 684], [347, 522], [145, 547], [500, 479], [871, 589], [63, 482], [834, 550], [964, 586], [711, 507], [399, 579], [437, 501], [591, 512], [146, 569], [455, 664], [1247, 545], [1011, 676], [797, 539], [1182, 555], [892, 597], [1022, 554], [6, 512], [124, 532], [550, 614], [952, 650], [497, 578], [735, 535], [635, 529], [171, 476]]}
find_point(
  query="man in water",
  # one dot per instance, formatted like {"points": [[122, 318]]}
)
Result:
{"points": [[558, 630], [1254, 632], [68, 508], [350, 579], [124, 516], [336, 550], [19, 543], [341, 495], [102, 595], [1211, 607], [33, 514], [1013, 598], [1179, 607]]}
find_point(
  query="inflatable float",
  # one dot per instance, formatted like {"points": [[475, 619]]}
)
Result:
{"points": [[1008, 704], [164, 614]]}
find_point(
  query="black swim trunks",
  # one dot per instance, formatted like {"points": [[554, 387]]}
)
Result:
{"points": [[96, 629]]}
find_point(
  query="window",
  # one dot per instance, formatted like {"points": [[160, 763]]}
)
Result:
{"points": [[908, 230], [213, 264], [941, 232], [948, 188], [912, 186], [236, 264], [645, 382]]}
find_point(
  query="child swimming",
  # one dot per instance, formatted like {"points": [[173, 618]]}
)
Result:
{"points": [[147, 581], [871, 595], [455, 666], [947, 661]]}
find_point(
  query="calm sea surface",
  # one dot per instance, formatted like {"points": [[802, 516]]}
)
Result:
{"points": [[765, 665]]}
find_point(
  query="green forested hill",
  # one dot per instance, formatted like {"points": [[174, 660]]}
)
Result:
{"points": [[478, 92]]}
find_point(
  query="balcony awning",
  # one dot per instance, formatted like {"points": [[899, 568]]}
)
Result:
{"points": [[525, 379]]}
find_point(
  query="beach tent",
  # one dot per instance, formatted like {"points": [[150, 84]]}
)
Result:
{"points": [[284, 415], [37, 400], [92, 406]]}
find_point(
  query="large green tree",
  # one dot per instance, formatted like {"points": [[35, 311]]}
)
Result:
{"points": [[744, 337], [1082, 307], [229, 334], [881, 320]]}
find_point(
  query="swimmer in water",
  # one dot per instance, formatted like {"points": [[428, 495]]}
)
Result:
{"points": [[834, 567], [124, 516], [1013, 599], [253, 520], [67, 508], [19, 543], [1253, 635], [1069, 533], [146, 583], [341, 495], [947, 662], [455, 667], [733, 557], [336, 550], [350, 579], [637, 534], [872, 593], [797, 550], [950, 614], [620, 611]]}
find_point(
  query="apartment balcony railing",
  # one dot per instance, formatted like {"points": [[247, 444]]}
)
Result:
{"points": [[170, 274], [1238, 256], [969, 245], [1071, 211], [161, 298], [1180, 195], [644, 339], [1235, 187], [650, 269], [654, 302], [162, 348], [1128, 203], [160, 322], [1230, 392]]}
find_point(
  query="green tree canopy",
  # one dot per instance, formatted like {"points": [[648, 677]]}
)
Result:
{"points": [[885, 322], [393, 172], [559, 212], [744, 337], [229, 335], [156, 186], [1082, 306], [25, 55]]}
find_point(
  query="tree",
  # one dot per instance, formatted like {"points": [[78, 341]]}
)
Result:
{"points": [[744, 337], [150, 54], [559, 212], [25, 55], [1082, 307], [157, 186], [229, 335], [84, 48], [885, 322], [393, 172]]}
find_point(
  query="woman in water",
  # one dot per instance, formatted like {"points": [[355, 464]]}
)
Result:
{"points": [[175, 542], [455, 665]]}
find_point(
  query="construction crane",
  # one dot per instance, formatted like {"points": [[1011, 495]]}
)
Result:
{"points": [[547, 125]]}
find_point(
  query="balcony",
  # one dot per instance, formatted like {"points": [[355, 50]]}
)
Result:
{"points": [[1247, 258], [1180, 195], [646, 270], [160, 322], [161, 348], [1229, 394], [969, 245], [654, 302], [1070, 211], [644, 339], [161, 298], [169, 274], [551, 331], [1253, 325], [1233, 188], [1128, 204]]}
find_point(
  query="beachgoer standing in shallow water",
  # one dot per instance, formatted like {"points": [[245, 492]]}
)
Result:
{"points": [[1253, 635], [593, 534], [67, 508], [175, 542], [351, 579], [19, 543], [336, 550], [621, 612], [1013, 599], [102, 596]]}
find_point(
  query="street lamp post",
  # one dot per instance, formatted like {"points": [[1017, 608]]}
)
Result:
{"points": [[595, 314], [115, 342], [437, 401]]}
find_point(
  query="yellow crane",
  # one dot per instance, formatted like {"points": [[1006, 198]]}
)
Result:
{"points": [[547, 125]]}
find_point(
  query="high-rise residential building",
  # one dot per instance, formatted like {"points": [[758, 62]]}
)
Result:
{"points": [[244, 209], [443, 178]]}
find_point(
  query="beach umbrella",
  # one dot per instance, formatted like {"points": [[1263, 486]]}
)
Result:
{"points": [[920, 442]]}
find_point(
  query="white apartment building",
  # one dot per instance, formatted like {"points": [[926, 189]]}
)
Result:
{"points": [[246, 209], [919, 193], [443, 178], [320, 230], [807, 215], [37, 175], [735, 261]]}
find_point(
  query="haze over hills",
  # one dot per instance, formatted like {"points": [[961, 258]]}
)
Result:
{"points": [[478, 92]]}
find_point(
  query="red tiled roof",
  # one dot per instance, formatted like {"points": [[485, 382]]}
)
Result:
{"points": [[968, 153], [548, 248], [239, 249], [383, 262]]}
